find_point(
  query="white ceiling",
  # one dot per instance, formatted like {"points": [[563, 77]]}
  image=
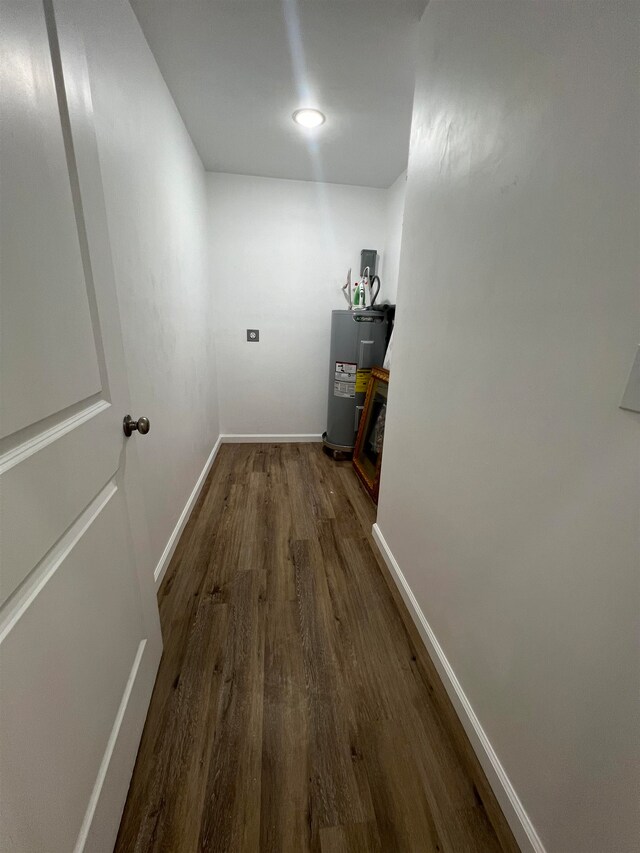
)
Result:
{"points": [[237, 69]]}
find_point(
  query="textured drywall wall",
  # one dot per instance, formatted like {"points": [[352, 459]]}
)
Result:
{"points": [[510, 491]]}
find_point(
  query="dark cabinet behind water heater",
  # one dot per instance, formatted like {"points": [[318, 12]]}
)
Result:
{"points": [[358, 341]]}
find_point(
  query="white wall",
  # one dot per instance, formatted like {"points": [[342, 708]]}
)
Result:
{"points": [[393, 236], [510, 485], [280, 253], [156, 203]]}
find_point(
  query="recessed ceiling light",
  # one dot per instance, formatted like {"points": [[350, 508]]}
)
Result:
{"points": [[308, 118]]}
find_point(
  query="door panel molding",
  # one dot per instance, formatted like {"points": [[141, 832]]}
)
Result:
{"points": [[66, 656], [88, 820], [49, 358], [36, 443], [16, 604], [74, 182], [31, 498]]}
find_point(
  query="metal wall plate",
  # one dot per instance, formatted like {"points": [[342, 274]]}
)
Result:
{"points": [[253, 335]]}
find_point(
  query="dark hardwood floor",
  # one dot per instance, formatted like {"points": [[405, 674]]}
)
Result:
{"points": [[295, 708]]}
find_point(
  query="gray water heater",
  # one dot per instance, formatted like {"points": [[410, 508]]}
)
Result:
{"points": [[358, 341]]}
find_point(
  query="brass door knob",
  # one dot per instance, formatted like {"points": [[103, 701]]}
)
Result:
{"points": [[129, 425]]}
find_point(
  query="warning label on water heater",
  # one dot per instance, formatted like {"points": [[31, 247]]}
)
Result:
{"points": [[344, 379], [362, 379]]}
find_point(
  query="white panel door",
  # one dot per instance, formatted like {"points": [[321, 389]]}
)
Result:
{"points": [[79, 629]]}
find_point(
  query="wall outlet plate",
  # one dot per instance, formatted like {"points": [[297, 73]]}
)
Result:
{"points": [[253, 335], [631, 398]]}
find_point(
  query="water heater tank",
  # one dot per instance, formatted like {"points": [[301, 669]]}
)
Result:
{"points": [[358, 340]]}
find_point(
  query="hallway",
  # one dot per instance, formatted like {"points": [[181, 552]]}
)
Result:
{"points": [[293, 709]]}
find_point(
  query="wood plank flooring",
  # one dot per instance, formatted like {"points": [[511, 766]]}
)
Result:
{"points": [[295, 707]]}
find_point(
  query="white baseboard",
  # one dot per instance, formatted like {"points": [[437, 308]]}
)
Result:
{"points": [[167, 554], [513, 810], [270, 439]]}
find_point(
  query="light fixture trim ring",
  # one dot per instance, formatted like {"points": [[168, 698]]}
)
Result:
{"points": [[317, 118]]}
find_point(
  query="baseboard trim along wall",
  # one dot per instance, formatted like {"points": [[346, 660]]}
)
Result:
{"points": [[170, 547], [513, 810], [229, 438]]}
